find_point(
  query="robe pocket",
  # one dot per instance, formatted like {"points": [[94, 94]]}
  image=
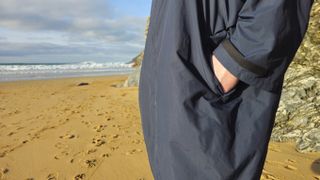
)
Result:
{"points": [[231, 94], [220, 88], [226, 96]]}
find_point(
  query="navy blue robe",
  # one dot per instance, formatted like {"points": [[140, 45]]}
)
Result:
{"points": [[192, 129]]}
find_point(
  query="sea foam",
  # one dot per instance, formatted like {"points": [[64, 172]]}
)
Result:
{"points": [[21, 71]]}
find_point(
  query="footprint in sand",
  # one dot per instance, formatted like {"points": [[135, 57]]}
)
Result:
{"points": [[91, 163], [272, 177], [114, 148], [66, 153], [141, 178], [3, 172], [98, 141], [2, 154], [11, 133], [62, 153], [274, 149], [56, 157], [66, 109], [80, 176], [63, 121], [86, 123], [117, 126], [14, 112], [108, 118], [59, 145], [90, 151], [133, 151], [285, 165], [2, 126], [269, 177], [115, 136], [71, 160], [64, 148], [316, 177], [291, 160], [290, 167], [18, 128], [52, 176], [136, 141], [105, 155], [123, 128], [68, 136], [100, 128], [126, 132], [75, 112], [99, 114]]}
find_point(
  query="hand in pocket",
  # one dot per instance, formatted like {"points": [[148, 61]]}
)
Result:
{"points": [[226, 79]]}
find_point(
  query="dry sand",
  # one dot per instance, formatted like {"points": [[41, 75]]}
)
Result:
{"points": [[55, 129]]}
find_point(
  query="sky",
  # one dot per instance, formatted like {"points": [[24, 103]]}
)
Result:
{"points": [[66, 31]]}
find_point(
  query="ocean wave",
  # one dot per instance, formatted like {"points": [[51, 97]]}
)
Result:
{"points": [[87, 65]]}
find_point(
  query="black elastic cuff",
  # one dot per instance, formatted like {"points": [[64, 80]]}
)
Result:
{"points": [[239, 58]]}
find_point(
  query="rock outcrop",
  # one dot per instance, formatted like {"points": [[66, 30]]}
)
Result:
{"points": [[298, 116], [133, 79]]}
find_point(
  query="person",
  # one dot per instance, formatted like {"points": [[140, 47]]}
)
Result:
{"points": [[210, 84]]}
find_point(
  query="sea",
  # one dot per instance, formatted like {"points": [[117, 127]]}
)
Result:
{"points": [[33, 71]]}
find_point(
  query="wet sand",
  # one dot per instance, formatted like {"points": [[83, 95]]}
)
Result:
{"points": [[55, 129]]}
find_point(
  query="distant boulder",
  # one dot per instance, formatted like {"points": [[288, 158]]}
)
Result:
{"points": [[83, 84]]}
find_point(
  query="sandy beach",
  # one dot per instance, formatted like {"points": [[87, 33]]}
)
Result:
{"points": [[56, 129]]}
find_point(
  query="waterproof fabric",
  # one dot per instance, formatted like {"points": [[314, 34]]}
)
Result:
{"points": [[192, 129]]}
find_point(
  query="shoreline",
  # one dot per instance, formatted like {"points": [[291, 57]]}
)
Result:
{"points": [[54, 128], [65, 78]]}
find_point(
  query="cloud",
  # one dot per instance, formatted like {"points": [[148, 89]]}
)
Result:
{"points": [[48, 52], [79, 24], [26, 49], [52, 15], [3, 38]]}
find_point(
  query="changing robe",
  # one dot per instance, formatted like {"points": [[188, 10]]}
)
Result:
{"points": [[192, 129]]}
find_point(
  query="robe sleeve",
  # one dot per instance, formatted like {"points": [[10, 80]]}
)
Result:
{"points": [[267, 34]]}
